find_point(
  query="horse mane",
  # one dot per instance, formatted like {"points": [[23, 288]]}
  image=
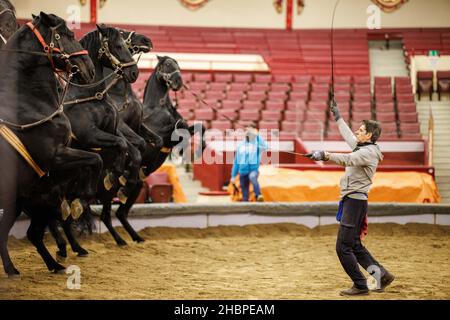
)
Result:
{"points": [[6, 4], [90, 42]]}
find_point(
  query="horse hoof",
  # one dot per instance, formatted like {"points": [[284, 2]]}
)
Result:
{"points": [[60, 256], [139, 240], [123, 180], [107, 182], [59, 270], [121, 242], [142, 175], [76, 209], [65, 209], [121, 195], [82, 253], [14, 274]]}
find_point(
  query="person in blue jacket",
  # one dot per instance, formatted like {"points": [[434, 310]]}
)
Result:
{"points": [[247, 160]]}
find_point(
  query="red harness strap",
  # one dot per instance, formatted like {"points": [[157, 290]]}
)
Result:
{"points": [[49, 49]]}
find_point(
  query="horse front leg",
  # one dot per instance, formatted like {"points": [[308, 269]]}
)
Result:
{"points": [[124, 209]]}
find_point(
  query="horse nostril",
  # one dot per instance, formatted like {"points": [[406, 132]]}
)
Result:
{"points": [[134, 74]]}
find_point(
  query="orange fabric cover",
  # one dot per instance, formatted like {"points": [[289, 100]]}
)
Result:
{"points": [[178, 194], [290, 185]]}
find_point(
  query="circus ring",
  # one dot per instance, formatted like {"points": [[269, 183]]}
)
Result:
{"points": [[242, 251]]}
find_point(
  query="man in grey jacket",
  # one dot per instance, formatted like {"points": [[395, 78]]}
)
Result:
{"points": [[360, 166]]}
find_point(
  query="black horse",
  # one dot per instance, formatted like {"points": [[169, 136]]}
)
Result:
{"points": [[162, 118], [130, 111], [93, 115], [8, 22], [32, 109]]}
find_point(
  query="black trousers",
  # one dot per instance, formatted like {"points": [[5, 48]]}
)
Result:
{"points": [[349, 248]]}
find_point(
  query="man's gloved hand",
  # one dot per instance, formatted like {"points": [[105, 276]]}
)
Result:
{"points": [[317, 155], [334, 108]]}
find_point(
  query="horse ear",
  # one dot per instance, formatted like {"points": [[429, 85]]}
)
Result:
{"points": [[102, 29], [159, 57], [33, 16], [45, 18]]}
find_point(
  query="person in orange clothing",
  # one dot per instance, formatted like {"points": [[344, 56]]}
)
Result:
{"points": [[360, 167]]}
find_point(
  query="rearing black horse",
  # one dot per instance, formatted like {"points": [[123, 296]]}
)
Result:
{"points": [[32, 109], [162, 118]]}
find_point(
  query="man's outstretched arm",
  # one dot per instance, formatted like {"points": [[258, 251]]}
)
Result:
{"points": [[344, 129]]}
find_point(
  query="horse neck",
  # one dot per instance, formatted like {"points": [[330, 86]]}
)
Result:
{"points": [[121, 87], [154, 92], [33, 74]]}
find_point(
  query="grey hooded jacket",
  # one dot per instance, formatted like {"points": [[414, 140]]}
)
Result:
{"points": [[360, 165]]}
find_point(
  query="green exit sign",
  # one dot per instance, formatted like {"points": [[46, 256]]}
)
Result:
{"points": [[433, 53]]}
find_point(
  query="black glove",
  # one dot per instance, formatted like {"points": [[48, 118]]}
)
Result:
{"points": [[317, 156], [334, 108]]}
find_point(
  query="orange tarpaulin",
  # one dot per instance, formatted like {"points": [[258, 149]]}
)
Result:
{"points": [[290, 185], [178, 194]]}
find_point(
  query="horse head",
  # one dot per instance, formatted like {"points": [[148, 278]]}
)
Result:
{"points": [[168, 72], [114, 53], [65, 52], [136, 42]]}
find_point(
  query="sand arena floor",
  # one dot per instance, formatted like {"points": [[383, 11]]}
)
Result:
{"points": [[282, 261]]}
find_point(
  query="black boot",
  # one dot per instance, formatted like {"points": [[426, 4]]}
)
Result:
{"points": [[354, 291]]}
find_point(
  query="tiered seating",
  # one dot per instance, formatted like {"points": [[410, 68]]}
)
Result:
{"points": [[298, 105], [422, 41]]}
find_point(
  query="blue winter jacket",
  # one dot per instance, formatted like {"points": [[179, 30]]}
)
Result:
{"points": [[248, 156]]}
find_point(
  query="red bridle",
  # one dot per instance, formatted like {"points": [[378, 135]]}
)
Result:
{"points": [[50, 48]]}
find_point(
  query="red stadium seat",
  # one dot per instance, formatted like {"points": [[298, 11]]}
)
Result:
{"points": [[425, 83], [300, 87], [203, 77], [260, 86], [160, 190], [299, 95], [361, 80], [277, 96], [312, 135], [235, 95], [217, 86], [383, 97], [384, 81], [204, 114], [319, 96], [318, 105], [315, 115], [362, 97], [249, 115], [256, 105], [302, 78], [198, 86], [245, 78], [185, 113], [275, 105], [227, 114], [360, 116], [294, 115], [405, 98], [269, 125], [282, 78], [231, 104], [313, 126], [271, 115], [187, 103], [223, 77], [265, 78], [388, 127], [409, 127], [402, 81], [410, 117], [237, 86], [221, 125], [297, 104], [385, 107], [406, 107], [256, 95], [280, 87], [291, 126], [218, 95], [386, 117]]}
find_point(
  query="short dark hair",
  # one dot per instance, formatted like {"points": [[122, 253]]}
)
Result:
{"points": [[374, 128], [252, 124]]}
